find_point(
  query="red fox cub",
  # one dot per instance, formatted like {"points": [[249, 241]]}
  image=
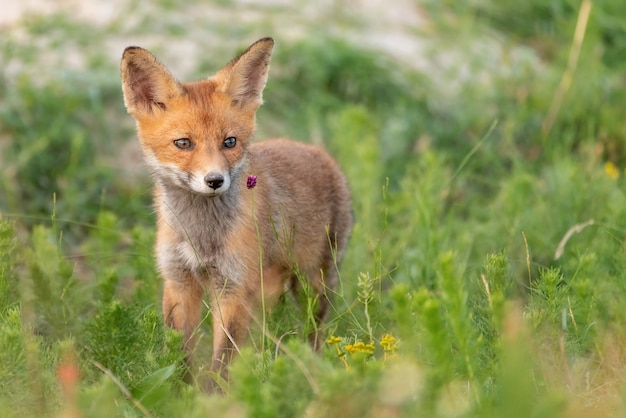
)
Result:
{"points": [[235, 219]]}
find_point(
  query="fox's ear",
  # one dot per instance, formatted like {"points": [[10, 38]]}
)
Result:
{"points": [[244, 78], [147, 85]]}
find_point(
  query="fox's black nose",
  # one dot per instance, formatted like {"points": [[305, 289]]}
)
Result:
{"points": [[214, 180]]}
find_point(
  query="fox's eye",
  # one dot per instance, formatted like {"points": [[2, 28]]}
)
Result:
{"points": [[183, 143], [230, 142]]}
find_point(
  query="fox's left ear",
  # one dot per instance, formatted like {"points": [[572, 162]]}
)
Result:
{"points": [[244, 78], [148, 86]]}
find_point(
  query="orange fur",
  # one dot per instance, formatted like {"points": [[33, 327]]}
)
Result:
{"points": [[213, 234]]}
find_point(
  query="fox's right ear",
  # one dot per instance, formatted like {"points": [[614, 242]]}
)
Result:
{"points": [[147, 85]]}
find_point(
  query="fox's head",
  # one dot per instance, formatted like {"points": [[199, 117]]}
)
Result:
{"points": [[195, 135]]}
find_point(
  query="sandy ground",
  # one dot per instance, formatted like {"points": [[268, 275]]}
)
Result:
{"points": [[98, 12], [392, 26], [399, 28]]}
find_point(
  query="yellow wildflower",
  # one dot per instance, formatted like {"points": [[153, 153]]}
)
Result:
{"points": [[611, 170], [389, 343], [333, 340], [360, 347]]}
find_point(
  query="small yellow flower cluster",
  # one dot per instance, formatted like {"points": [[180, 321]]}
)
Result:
{"points": [[388, 343], [611, 170], [333, 340], [360, 347], [342, 356]]}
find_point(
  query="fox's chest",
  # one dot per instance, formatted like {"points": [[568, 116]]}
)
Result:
{"points": [[209, 262], [197, 237]]}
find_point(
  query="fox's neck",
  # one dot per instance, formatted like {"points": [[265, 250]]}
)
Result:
{"points": [[189, 210]]}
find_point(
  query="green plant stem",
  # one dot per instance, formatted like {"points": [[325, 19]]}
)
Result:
{"points": [[568, 75], [263, 313]]}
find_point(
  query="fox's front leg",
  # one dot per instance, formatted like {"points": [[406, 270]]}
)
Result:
{"points": [[182, 309], [233, 308], [232, 313]]}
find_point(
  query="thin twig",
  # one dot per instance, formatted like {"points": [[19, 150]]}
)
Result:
{"points": [[123, 388], [573, 230], [280, 340], [572, 61], [296, 359], [527, 257], [474, 150], [571, 314], [484, 279]]}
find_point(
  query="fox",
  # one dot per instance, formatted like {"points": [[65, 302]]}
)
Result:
{"points": [[240, 222]]}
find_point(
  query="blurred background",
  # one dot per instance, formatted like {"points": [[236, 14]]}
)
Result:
{"points": [[483, 140], [481, 88]]}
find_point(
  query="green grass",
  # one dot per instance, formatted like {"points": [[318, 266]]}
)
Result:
{"points": [[487, 266]]}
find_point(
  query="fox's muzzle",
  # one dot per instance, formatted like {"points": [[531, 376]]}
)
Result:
{"points": [[214, 180]]}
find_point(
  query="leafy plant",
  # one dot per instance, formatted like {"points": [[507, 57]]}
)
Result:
{"points": [[485, 272]]}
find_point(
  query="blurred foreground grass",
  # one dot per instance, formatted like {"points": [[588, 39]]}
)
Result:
{"points": [[486, 271]]}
